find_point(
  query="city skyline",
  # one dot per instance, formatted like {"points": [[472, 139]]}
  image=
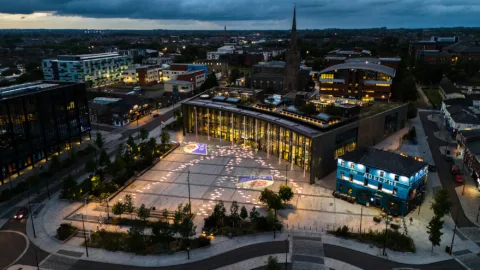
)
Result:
{"points": [[237, 15]]}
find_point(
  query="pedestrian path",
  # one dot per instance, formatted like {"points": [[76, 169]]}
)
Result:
{"points": [[307, 252]]}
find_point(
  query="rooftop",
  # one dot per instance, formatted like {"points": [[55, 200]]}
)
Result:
{"points": [[29, 88], [82, 57], [385, 160], [178, 82], [362, 65]]}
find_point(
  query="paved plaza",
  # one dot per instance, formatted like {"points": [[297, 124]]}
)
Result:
{"points": [[213, 177]]}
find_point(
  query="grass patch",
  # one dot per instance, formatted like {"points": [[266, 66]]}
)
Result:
{"points": [[433, 96]]}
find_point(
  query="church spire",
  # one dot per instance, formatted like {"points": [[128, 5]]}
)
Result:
{"points": [[293, 37]]}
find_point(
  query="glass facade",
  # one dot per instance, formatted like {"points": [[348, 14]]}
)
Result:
{"points": [[35, 125], [254, 133], [345, 142]]}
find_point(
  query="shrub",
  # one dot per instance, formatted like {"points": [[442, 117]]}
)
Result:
{"points": [[394, 226], [377, 219], [65, 231], [203, 241]]}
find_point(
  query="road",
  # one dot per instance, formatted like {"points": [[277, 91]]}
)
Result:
{"points": [[150, 125], [443, 168], [366, 261]]}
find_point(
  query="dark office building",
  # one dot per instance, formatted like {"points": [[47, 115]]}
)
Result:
{"points": [[39, 119]]}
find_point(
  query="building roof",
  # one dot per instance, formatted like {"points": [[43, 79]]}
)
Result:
{"points": [[464, 115], [82, 57], [30, 88], [462, 47], [469, 134], [178, 82], [448, 87], [362, 65], [458, 101], [386, 161]]}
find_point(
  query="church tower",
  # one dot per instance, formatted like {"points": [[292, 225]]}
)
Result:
{"points": [[292, 57]]}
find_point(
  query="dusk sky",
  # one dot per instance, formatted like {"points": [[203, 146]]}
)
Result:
{"points": [[237, 14]]}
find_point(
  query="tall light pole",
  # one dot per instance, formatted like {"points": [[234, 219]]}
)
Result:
{"points": [[286, 252], [385, 239], [85, 236], [455, 230], [286, 171], [31, 215]]}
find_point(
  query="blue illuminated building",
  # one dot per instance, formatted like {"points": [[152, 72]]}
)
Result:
{"points": [[389, 181]]}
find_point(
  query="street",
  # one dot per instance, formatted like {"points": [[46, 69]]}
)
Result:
{"points": [[443, 168]]}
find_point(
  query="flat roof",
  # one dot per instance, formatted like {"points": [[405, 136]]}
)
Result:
{"points": [[303, 129], [178, 82], [385, 160], [30, 88], [362, 65], [81, 57]]}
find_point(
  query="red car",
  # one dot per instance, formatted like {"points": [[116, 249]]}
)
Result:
{"points": [[155, 115], [455, 169], [21, 213], [458, 178]]}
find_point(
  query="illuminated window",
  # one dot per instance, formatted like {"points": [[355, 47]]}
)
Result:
{"points": [[395, 191], [352, 166], [342, 163], [382, 174], [351, 177], [365, 182], [396, 177], [380, 185], [342, 175]]}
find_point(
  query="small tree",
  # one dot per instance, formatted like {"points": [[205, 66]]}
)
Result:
{"points": [[285, 193], [131, 144], [271, 198], [254, 214], [434, 233], [99, 140], [90, 166], [165, 137], [441, 203], [272, 263], [143, 212], [143, 134], [70, 189], [55, 164], [128, 204], [243, 213], [118, 208], [234, 212], [103, 160]]}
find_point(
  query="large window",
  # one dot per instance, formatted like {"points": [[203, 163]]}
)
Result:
{"points": [[390, 124], [345, 142]]}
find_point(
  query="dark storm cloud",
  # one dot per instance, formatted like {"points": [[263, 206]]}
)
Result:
{"points": [[312, 13]]}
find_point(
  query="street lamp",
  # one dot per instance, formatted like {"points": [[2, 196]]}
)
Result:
{"points": [[455, 229], [85, 236], [286, 171], [31, 215], [286, 252]]}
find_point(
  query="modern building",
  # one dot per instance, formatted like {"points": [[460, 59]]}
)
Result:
{"points": [[143, 75], [228, 49], [93, 69], [433, 44], [359, 80], [392, 62], [177, 87], [383, 179], [214, 66], [39, 119], [118, 111], [163, 60], [179, 69], [275, 126]]}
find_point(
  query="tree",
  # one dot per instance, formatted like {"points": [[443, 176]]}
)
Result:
{"points": [[131, 144], [234, 209], [243, 212], [272, 263], [441, 203], [165, 137], [285, 193], [136, 240], [210, 82], [234, 75], [143, 212], [162, 230], [118, 208], [254, 214], [271, 199], [55, 164], [434, 233], [70, 189], [90, 166], [99, 140], [143, 134], [104, 160], [128, 204]]}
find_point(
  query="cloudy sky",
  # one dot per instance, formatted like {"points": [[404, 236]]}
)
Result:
{"points": [[236, 14]]}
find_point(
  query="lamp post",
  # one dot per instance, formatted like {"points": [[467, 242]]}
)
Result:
{"points": [[36, 257], [286, 252], [286, 171], [85, 236], [31, 215], [385, 239], [455, 229], [361, 217]]}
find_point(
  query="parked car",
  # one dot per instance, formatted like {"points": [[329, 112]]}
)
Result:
{"points": [[448, 158], [458, 178], [432, 167], [455, 169], [155, 115], [21, 213]]}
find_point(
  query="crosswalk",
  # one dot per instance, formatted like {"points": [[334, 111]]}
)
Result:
{"points": [[307, 251]]}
